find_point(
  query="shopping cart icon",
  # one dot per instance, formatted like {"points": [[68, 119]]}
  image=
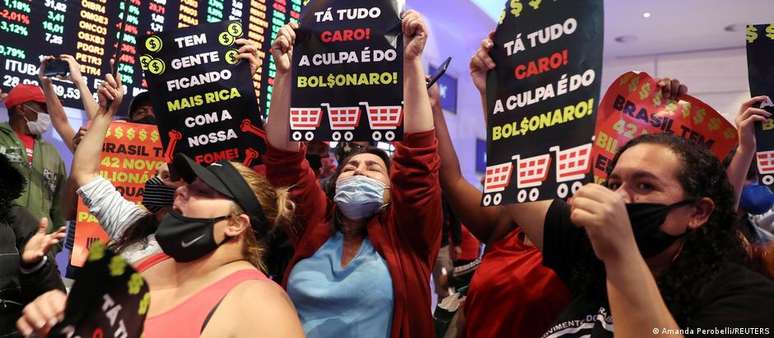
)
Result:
{"points": [[496, 180], [765, 160], [531, 172], [572, 165], [384, 120], [307, 119], [342, 119]]}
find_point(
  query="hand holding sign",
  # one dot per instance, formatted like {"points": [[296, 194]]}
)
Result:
{"points": [[745, 121], [415, 35], [282, 48], [37, 246], [249, 51], [481, 63]]}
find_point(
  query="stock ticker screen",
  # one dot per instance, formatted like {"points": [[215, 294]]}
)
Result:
{"points": [[89, 30]]}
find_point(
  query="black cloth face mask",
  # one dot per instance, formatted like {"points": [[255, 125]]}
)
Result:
{"points": [[646, 220], [187, 239]]}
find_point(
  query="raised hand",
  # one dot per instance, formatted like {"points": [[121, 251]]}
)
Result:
{"points": [[42, 68], [248, 50], [414, 35], [671, 89], [110, 92], [745, 121], [39, 244], [75, 68], [282, 48], [481, 63]]}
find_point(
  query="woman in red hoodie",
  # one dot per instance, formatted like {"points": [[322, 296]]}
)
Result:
{"points": [[362, 260]]}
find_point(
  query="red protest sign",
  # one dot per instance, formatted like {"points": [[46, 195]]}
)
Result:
{"points": [[633, 105], [130, 156]]}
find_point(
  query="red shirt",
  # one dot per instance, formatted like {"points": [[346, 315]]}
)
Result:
{"points": [[29, 143], [407, 234], [512, 294], [470, 246]]}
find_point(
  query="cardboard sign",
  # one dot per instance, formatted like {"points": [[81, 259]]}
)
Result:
{"points": [[131, 154], [109, 299], [760, 69], [633, 105], [203, 95], [348, 72], [542, 100]]}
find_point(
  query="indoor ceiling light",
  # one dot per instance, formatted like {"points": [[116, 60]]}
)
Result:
{"points": [[646, 15]]}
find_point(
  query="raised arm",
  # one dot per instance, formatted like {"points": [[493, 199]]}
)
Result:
{"points": [[278, 126], [416, 193], [419, 116], [285, 160], [89, 104], [54, 106], [87, 156], [745, 151]]}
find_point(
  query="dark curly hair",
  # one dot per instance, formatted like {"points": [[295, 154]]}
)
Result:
{"points": [[704, 251]]}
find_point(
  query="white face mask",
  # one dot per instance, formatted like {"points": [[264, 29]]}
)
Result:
{"points": [[39, 126], [359, 196]]}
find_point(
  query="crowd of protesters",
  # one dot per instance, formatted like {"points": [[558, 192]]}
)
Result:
{"points": [[343, 242]]}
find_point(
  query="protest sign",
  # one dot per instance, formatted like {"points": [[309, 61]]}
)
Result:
{"points": [[203, 94], [633, 105], [348, 66], [542, 99], [109, 299], [131, 154], [760, 70]]}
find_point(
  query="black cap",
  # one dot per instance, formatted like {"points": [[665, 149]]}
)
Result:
{"points": [[225, 179], [139, 99]]}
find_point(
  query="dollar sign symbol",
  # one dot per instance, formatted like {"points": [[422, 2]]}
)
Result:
{"points": [[118, 132], [714, 124], [645, 91], [130, 134], [770, 31], [752, 34], [109, 132], [516, 8], [155, 135], [143, 135], [331, 81]]}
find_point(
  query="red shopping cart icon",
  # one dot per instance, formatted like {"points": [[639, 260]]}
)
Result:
{"points": [[497, 177], [304, 119], [496, 180], [342, 118], [383, 118], [571, 165], [532, 171]]}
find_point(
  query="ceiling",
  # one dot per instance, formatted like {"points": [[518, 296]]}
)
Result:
{"points": [[674, 26]]}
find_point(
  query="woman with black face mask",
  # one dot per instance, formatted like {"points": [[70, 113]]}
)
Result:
{"points": [[653, 251], [215, 235]]}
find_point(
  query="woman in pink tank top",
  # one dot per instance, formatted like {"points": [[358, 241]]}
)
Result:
{"points": [[215, 235]]}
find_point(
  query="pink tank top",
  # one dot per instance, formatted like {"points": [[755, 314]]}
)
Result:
{"points": [[187, 319]]}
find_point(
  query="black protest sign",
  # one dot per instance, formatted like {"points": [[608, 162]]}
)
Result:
{"points": [[348, 72], [542, 99], [109, 299], [760, 70], [203, 94]]}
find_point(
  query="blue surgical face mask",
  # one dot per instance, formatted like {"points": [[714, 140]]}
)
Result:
{"points": [[756, 199], [359, 197]]}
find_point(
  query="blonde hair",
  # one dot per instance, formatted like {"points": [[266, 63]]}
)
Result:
{"points": [[277, 207]]}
